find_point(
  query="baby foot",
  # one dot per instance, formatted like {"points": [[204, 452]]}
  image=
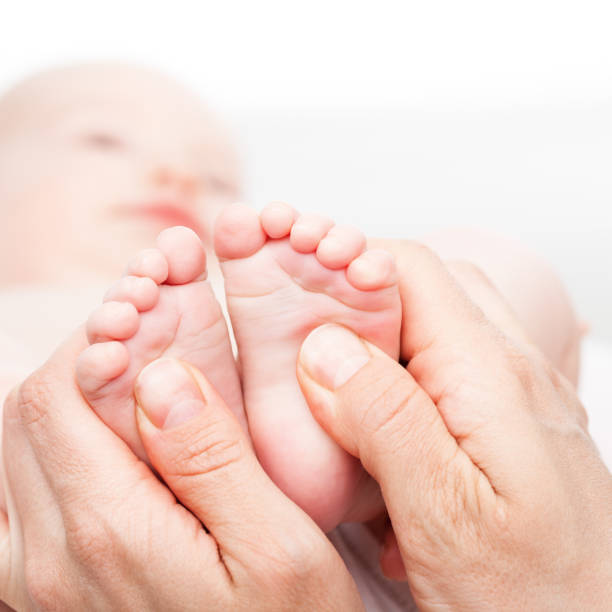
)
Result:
{"points": [[284, 276], [163, 307]]}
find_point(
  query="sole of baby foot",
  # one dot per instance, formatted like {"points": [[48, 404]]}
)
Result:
{"points": [[286, 274], [162, 307]]}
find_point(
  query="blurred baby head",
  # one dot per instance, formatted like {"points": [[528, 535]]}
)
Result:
{"points": [[95, 160]]}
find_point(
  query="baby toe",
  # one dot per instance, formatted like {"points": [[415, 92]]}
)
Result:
{"points": [[98, 364], [238, 232], [184, 253], [374, 269], [277, 219], [149, 263], [340, 246], [308, 231], [142, 292], [112, 321]]}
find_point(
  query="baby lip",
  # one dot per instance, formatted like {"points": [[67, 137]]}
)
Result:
{"points": [[166, 211]]}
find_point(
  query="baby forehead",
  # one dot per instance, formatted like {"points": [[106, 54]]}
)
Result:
{"points": [[125, 97]]}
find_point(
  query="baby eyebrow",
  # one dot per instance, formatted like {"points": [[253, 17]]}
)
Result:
{"points": [[104, 139]]}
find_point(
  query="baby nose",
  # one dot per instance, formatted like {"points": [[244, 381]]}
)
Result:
{"points": [[168, 177]]}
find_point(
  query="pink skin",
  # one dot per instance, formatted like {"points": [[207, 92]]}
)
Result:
{"points": [[163, 307], [286, 274], [95, 161], [278, 290]]}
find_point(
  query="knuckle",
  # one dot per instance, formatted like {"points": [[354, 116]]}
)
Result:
{"points": [[90, 540], [523, 368], [408, 252], [389, 415], [456, 513], [419, 250], [449, 489], [533, 371], [577, 408], [209, 450], [469, 272], [44, 586], [33, 399], [300, 560]]}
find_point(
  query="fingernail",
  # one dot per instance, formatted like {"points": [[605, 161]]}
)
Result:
{"points": [[332, 354], [168, 394]]}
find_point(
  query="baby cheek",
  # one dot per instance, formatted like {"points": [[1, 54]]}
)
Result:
{"points": [[64, 211]]}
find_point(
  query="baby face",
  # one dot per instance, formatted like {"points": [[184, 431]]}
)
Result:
{"points": [[96, 161]]}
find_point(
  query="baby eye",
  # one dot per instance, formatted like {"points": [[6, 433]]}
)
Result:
{"points": [[219, 184], [103, 141]]}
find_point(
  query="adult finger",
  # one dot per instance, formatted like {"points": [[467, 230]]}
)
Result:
{"points": [[23, 473], [436, 310], [56, 446], [485, 295], [455, 352], [53, 415], [200, 450], [376, 411], [80, 502], [57, 457], [36, 512]]}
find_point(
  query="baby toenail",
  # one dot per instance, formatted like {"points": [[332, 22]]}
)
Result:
{"points": [[167, 394], [332, 354]]}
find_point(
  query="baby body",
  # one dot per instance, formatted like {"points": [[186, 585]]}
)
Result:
{"points": [[101, 183], [94, 162]]}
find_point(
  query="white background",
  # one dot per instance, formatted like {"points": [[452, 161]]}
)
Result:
{"points": [[399, 116]]}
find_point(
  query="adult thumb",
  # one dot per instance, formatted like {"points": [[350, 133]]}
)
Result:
{"points": [[202, 453], [372, 407]]}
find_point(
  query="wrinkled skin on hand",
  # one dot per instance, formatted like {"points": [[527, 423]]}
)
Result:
{"points": [[91, 527], [496, 494]]}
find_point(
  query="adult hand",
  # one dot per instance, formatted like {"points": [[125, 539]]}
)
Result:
{"points": [[90, 527], [496, 493]]}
